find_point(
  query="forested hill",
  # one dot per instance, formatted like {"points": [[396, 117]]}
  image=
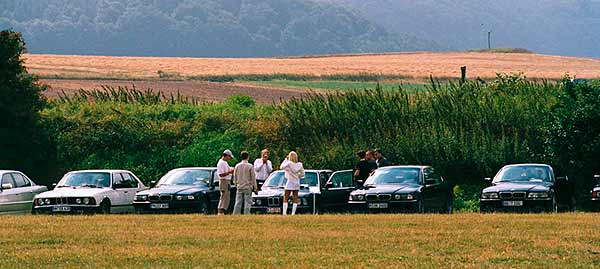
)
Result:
{"points": [[564, 27], [233, 28]]}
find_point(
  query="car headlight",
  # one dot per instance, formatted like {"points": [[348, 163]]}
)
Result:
{"points": [[489, 195], [78, 201], [191, 197], [86, 201], [47, 201], [360, 197], [409, 197], [398, 197], [40, 201], [179, 197], [141, 197], [258, 201], [536, 195]]}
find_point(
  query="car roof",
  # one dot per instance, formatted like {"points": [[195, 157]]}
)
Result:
{"points": [[9, 171], [100, 171], [407, 166], [527, 164], [309, 171], [194, 168]]}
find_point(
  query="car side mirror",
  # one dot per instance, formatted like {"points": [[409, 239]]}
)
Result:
{"points": [[152, 183], [329, 185], [597, 178], [7, 186], [430, 181]]}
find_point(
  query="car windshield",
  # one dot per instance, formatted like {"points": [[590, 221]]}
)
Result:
{"points": [[524, 173], [86, 179], [186, 177], [278, 180], [395, 175]]}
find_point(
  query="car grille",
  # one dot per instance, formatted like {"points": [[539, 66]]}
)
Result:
{"points": [[60, 201], [512, 195], [154, 198], [378, 197], [164, 198], [274, 201]]}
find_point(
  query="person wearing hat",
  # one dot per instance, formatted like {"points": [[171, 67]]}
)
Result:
{"points": [[224, 172]]}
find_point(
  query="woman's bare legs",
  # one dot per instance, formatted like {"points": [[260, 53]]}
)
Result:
{"points": [[286, 196], [295, 200]]}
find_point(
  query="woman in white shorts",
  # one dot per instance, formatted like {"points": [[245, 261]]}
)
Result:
{"points": [[293, 173]]}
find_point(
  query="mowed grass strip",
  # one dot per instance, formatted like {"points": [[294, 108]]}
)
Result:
{"points": [[328, 241]]}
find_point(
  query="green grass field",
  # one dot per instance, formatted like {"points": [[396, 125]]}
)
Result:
{"points": [[338, 85], [327, 241]]}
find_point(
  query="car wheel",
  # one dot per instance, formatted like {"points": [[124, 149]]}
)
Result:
{"points": [[421, 206], [105, 207], [449, 208], [203, 208], [554, 206]]}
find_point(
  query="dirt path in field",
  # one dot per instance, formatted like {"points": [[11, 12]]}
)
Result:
{"points": [[205, 91]]}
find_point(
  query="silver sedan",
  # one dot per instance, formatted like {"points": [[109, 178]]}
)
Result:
{"points": [[17, 192]]}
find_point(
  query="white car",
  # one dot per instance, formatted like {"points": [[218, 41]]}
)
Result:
{"points": [[91, 191], [17, 191]]}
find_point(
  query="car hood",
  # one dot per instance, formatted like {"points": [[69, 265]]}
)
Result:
{"points": [[279, 192], [516, 186], [397, 188], [74, 192], [174, 189]]}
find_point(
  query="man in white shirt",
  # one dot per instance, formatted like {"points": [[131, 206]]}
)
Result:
{"points": [[224, 172], [263, 167]]}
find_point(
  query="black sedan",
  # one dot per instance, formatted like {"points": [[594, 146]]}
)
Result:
{"points": [[527, 188], [182, 190], [404, 189], [320, 191]]}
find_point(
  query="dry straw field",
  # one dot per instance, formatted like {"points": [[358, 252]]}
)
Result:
{"points": [[326, 241], [412, 65]]}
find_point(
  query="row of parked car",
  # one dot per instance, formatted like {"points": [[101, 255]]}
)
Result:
{"points": [[521, 187]]}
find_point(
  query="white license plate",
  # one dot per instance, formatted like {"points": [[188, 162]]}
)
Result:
{"points": [[159, 206], [512, 203], [61, 209], [274, 210], [378, 205]]}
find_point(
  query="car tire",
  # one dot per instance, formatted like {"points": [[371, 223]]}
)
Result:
{"points": [[421, 206], [449, 206], [554, 207], [105, 207], [203, 208]]}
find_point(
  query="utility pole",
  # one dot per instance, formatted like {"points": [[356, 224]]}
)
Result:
{"points": [[489, 40]]}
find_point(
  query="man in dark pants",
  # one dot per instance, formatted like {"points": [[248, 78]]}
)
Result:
{"points": [[380, 160], [362, 169]]}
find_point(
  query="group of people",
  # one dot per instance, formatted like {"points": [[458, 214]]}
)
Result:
{"points": [[368, 161], [245, 175]]}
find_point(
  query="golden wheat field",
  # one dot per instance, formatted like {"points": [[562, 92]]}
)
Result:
{"points": [[411, 65]]}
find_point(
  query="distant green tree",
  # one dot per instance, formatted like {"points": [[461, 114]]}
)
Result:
{"points": [[21, 143]]}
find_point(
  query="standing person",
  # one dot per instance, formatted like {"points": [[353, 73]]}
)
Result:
{"points": [[371, 159], [381, 161], [244, 178], [293, 173], [362, 169], [263, 167], [224, 172]]}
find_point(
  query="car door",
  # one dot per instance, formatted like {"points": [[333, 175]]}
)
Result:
{"points": [[130, 187], [23, 191], [213, 194], [9, 198], [337, 190], [121, 190], [433, 192]]}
